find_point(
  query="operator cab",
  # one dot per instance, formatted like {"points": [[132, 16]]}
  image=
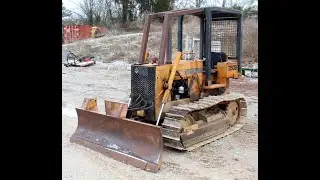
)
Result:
{"points": [[220, 38]]}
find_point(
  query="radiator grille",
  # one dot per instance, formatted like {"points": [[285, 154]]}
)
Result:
{"points": [[143, 84]]}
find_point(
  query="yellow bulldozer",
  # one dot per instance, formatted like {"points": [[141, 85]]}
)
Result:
{"points": [[182, 102]]}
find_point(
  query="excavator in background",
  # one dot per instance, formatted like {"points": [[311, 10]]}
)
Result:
{"points": [[72, 33], [182, 103], [97, 32]]}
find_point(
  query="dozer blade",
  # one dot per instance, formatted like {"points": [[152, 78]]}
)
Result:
{"points": [[129, 141]]}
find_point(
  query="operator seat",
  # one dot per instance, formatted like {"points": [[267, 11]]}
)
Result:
{"points": [[217, 57]]}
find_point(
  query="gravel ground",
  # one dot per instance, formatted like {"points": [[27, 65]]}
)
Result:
{"points": [[230, 158]]}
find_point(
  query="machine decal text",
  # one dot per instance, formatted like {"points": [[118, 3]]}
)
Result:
{"points": [[193, 71], [232, 67]]}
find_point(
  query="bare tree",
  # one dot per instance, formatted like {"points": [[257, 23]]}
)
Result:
{"points": [[224, 3], [181, 4], [107, 7], [95, 12], [199, 3], [65, 12], [86, 8]]}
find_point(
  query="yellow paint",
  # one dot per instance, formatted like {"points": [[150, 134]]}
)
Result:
{"points": [[146, 55], [171, 77], [89, 104], [93, 31], [140, 113], [188, 70], [227, 69], [194, 71], [92, 103], [162, 76]]}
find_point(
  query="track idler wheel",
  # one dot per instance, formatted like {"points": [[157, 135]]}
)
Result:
{"points": [[233, 112]]}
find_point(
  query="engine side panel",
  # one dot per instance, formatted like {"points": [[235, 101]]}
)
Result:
{"points": [[186, 69], [148, 82]]}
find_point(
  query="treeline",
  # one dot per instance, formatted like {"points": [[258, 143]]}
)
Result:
{"points": [[106, 12]]}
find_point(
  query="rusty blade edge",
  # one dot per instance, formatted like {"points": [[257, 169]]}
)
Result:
{"points": [[127, 155], [101, 113], [128, 159]]}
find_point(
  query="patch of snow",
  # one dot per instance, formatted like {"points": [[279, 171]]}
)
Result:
{"points": [[114, 146]]}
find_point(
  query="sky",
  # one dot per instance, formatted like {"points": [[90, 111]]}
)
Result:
{"points": [[70, 4]]}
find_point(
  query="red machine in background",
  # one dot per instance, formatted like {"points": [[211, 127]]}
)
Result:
{"points": [[79, 61], [73, 33]]}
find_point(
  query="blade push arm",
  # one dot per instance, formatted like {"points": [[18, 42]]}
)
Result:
{"points": [[171, 77], [170, 81]]}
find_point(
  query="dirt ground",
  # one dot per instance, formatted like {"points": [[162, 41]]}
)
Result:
{"points": [[230, 158]]}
